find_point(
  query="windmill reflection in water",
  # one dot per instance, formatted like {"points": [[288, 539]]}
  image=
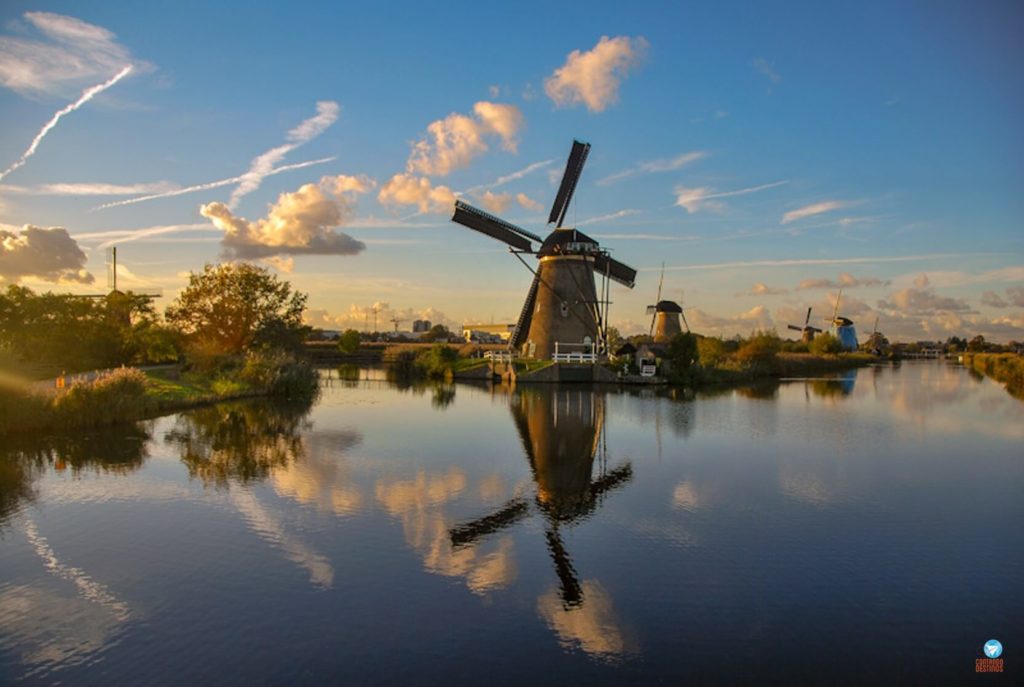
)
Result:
{"points": [[561, 430]]}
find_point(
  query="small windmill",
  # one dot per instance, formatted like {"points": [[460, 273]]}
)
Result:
{"points": [[665, 315], [842, 327], [877, 343], [560, 431], [807, 330], [562, 305]]}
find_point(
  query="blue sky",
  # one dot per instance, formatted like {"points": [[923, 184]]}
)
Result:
{"points": [[766, 154]]}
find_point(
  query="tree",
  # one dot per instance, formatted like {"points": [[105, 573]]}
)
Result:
{"points": [[825, 344], [348, 342], [976, 344], [436, 333], [229, 308], [682, 351]]}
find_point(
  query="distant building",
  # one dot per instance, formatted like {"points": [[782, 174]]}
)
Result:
{"points": [[488, 333], [421, 326]]}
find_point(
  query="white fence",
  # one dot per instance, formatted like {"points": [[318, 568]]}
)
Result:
{"points": [[499, 356]]}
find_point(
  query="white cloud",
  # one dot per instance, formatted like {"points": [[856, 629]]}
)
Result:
{"points": [[452, 143], [814, 209], [46, 254], [502, 180], [593, 77], [261, 166], [300, 223], [120, 236], [757, 318], [89, 189], [654, 167], [528, 203], [208, 186], [68, 55], [922, 301], [992, 299], [608, 217], [87, 95], [406, 189], [765, 67], [846, 281], [695, 199], [791, 262], [762, 289], [495, 202]]}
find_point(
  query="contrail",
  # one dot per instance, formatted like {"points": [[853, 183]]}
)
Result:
{"points": [[212, 184], [87, 95]]}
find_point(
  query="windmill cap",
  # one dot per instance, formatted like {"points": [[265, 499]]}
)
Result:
{"points": [[558, 242], [668, 306]]}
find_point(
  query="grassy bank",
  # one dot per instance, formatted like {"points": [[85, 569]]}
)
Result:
{"points": [[1007, 368], [778, 366], [128, 394]]}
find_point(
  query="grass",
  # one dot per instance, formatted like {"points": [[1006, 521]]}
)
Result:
{"points": [[1007, 368]]}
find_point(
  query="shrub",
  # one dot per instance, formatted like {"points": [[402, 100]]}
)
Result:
{"points": [[279, 374], [437, 361], [111, 397], [759, 350], [710, 351], [825, 344], [348, 342]]}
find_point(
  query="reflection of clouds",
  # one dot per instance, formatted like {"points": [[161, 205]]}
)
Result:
{"points": [[323, 478], [321, 573], [803, 487], [592, 626], [88, 588], [685, 497], [418, 503], [939, 399], [52, 631]]}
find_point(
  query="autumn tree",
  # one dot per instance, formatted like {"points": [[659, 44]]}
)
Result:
{"points": [[229, 308]]}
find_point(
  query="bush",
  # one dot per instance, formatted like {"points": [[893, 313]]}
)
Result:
{"points": [[682, 352], [349, 341], [279, 374], [710, 351], [825, 344], [111, 397], [759, 350], [438, 361]]}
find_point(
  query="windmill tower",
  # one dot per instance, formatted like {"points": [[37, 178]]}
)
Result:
{"points": [[842, 327], [665, 316], [562, 308], [807, 331]]}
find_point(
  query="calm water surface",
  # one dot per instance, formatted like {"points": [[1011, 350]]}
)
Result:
{"points": [[859, 530]]}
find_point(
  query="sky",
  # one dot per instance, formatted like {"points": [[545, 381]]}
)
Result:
{"points": [[767, 154]]}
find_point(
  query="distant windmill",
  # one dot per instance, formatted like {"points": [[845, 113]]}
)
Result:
{"points": [[562, 305], [807, 329], [112, 281], [842, 327], [877, 343], [665, 316]]}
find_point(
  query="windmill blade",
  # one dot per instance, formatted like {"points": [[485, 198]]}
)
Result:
{"points": [[814, 329], [486, 223], [518, 337], [796, 328], [682, 314], [807, 320], [572, 591], [617, 271], [470, 532], [573, 169], [613, 480]]}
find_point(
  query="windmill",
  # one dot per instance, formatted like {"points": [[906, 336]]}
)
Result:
{"points": [[562, 306], [807, 329], [665, 315], [120, 304], [877, 343], [842, 327], [560, 431]]}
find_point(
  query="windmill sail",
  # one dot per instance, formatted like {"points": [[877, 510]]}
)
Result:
{"points": [[525, 315], [573, 169], [617, 271], [486, 223]]}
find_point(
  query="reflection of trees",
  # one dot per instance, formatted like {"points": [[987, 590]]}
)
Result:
{"points": [[838, 387], [444, 396], [760, 391], [241, 441], [24, 459]]}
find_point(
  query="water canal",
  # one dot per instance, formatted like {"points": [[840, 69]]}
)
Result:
{"points": [[856, 530]]}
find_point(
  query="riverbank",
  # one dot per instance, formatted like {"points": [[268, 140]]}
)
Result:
{"points": [[130, 394], [1007, 368]]}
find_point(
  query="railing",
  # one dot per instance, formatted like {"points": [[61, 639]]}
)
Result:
{"points": [[574, 357], [499, 356], [583, 354]]}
